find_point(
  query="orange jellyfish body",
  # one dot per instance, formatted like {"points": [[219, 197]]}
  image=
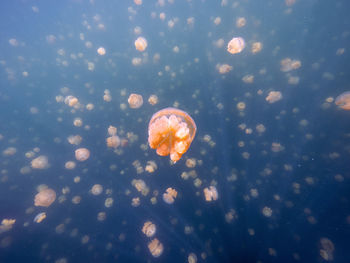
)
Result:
{"points": [[171, 132], [343, 100]]}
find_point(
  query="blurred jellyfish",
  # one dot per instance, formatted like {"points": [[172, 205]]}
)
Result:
{"points": [[153, 99], [82, 154], [210, 193], [169, 195], [135, 101], [45, 197], [149, 229], [236, 45], [273, 96], [71, 101], [141, 44], [39, 217], [223, 68], [256, 47], [113, 141], [343, 100], [112, 130], [171, 131], [40, 162], [155, 247], [101, 51], [240, 22], [96, 189]]}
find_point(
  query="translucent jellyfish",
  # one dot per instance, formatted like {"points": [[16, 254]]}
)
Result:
{"points": [[236, 45], [74, 139], [39, 217], [151, 166], [256, 47], [101, 51], [45, 197], [217, 21], [267, 211], [141, 186], [210, 193], [171, 131], [288, 64], [96, 189], [82, 154], [9, 151], [192, 258], [136, 61], [78, 122], [40, 162], [112, 130], [135, 101], [6, 225], [155, 247], [141, 44], [170, 195], [343, 101], [240, 22], [138, 2], [149, 229], [109, 202], [71, 100], [153, 99], [113, 141], [273, 96], [223, 68]]}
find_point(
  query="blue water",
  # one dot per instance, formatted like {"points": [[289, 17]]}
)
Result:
{"points": [[305, 184]]}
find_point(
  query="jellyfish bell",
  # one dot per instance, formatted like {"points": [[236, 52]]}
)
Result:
{"points": [[236, 45], [171, 132], [82, 154], [45, 197], [343, 101]]}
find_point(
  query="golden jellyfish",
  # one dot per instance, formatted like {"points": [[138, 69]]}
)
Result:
{"points": [[343, 100], [96, 189], [135, 101], [236, 45], [101, 51], [171, 131], [211, 194], [113, 141], [71, 101], [40, 162], [256, 47], [170, 195], [155, 247], [45, 197], [149, 229], [153, 100], [141, 44], [39, 217], [138, 2], [82, 154], [112, 130], [223, 68], [240, 22], [273, 96]]}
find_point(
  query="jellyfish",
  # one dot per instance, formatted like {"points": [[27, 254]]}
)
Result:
{"points": [[135, 101], [82, 154], [96, 189], [141, 44], [39, 217], [236, 45], [170, 195], [40, 162], [343, 100], [149, 229], [273, 96], [171, 132], [210, 194], [45, 197], [155, 247]]}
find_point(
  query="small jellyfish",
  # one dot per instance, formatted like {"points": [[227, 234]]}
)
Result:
{"points": [[135, 101], [45, 197], [96, 189], [113, 141], [39, 217], [236, 45], [153, 100], [101, 51], [40, 162], [149, 229], [273, 96], [170, 195], [141, 44], [171, 131], [210, 194], [112, 130], [82, 154], [343, 101], [223, 68], [155, 247]]}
